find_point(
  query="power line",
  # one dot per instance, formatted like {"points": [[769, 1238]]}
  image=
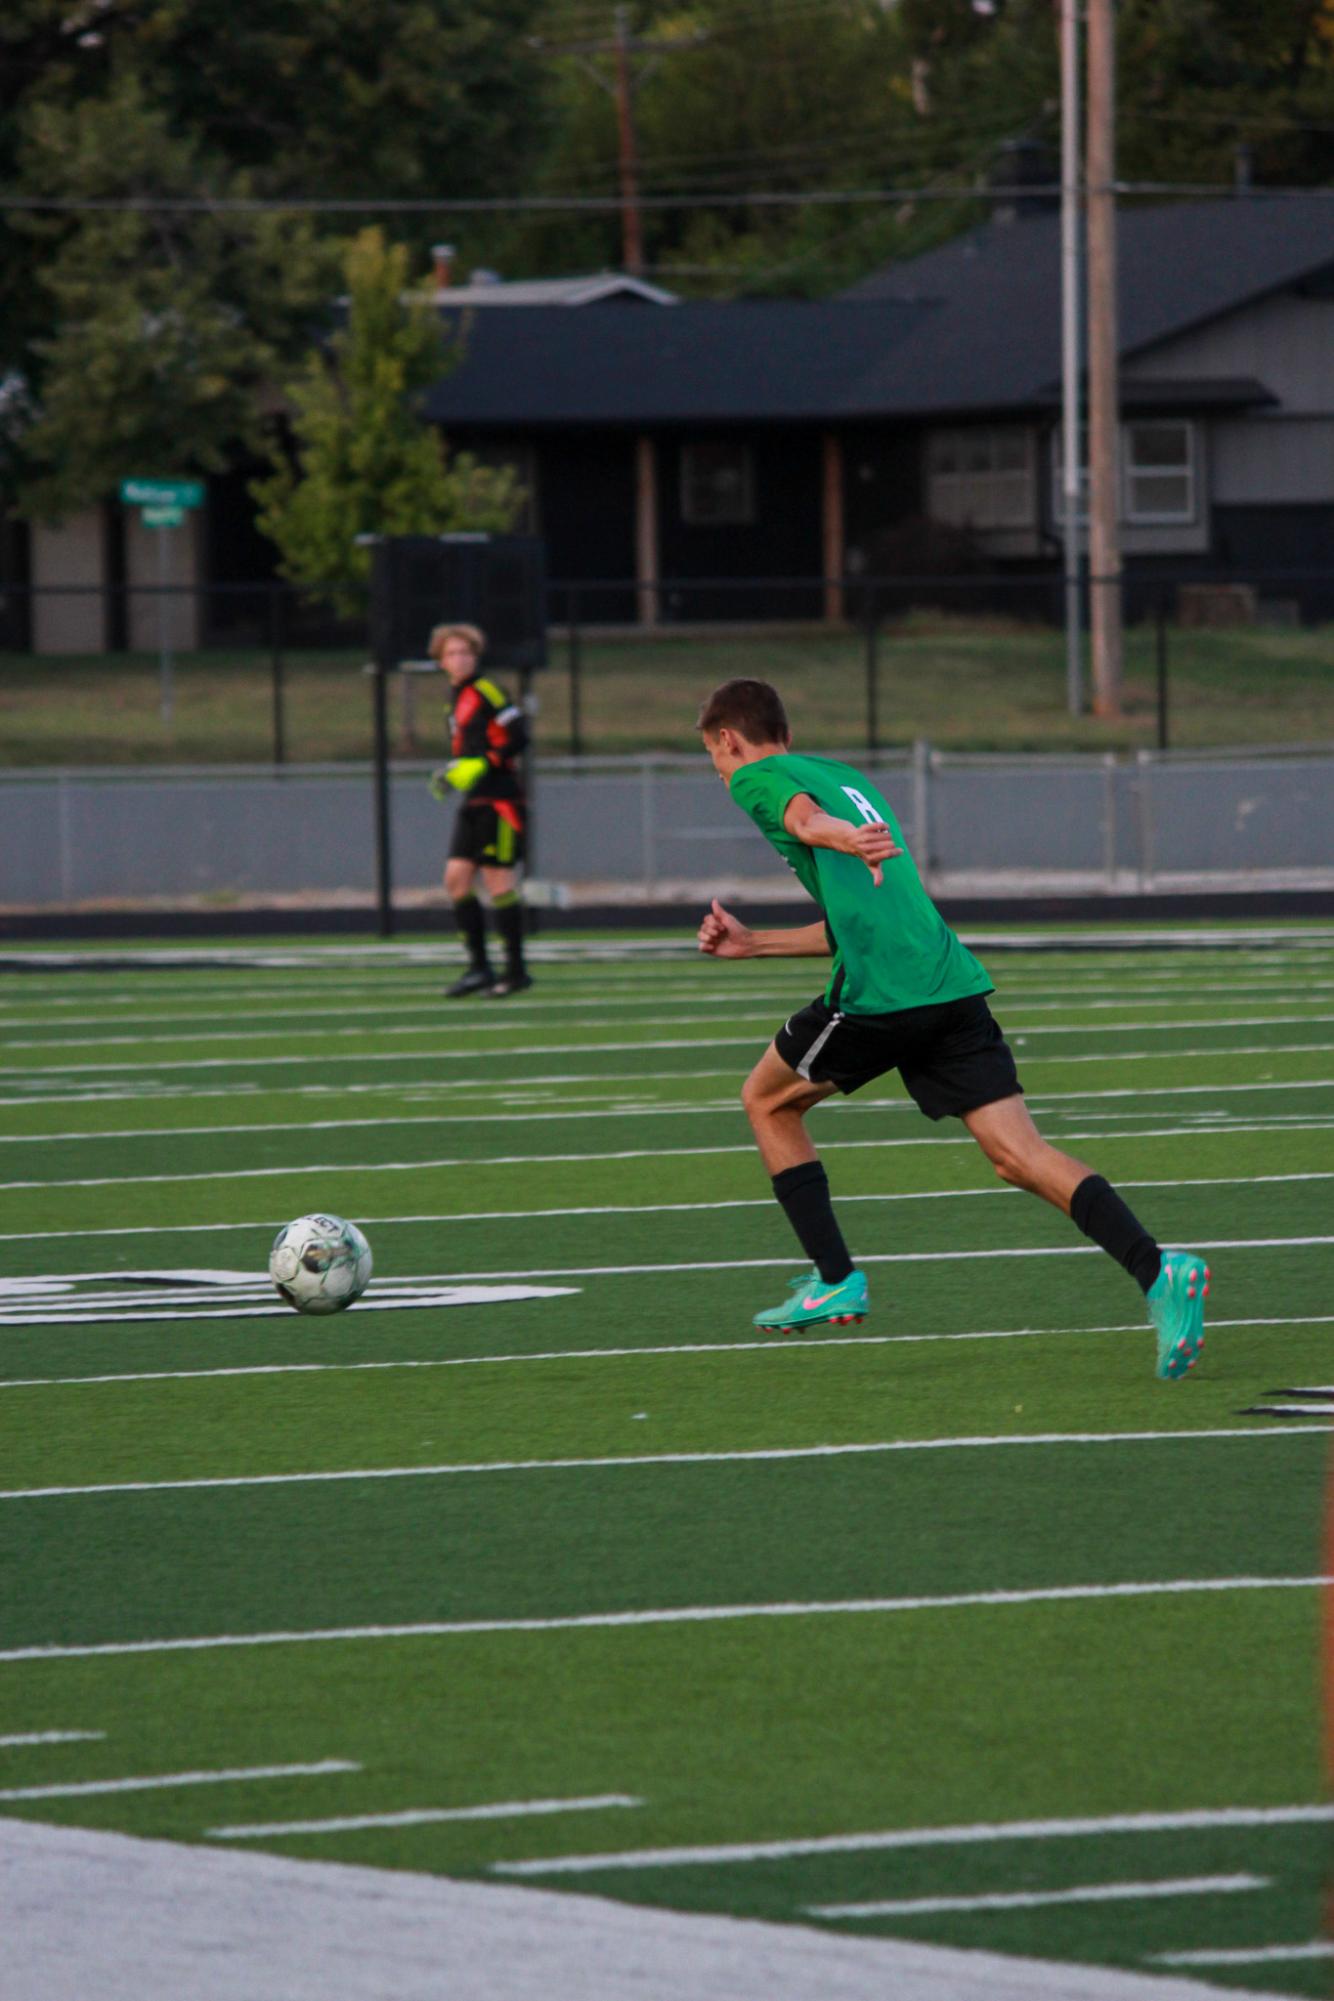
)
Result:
{"points": [[610, 204]]}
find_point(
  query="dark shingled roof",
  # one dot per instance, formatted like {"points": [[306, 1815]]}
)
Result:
{"points": [[972, 328]]}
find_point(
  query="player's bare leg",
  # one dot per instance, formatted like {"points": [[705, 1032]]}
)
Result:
{"points": [[776, 1101], [460, 877], [1020, 1155], [1174, 1282]]}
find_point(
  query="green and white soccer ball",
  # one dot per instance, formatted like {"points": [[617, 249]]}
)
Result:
{"points": [[320, 1264]]}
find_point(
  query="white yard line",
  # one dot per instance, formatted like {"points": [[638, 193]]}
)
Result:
{"points": [[691, 1615], [766, 1201], [25, 1737], [1035, 1900], [452, 1029], [720, 1350], [155, 1094], [158, 1780], [508, 1160], [87, 1231], [706, 1041], [1038, 996], [985, 1832], [1038, 1099], [267, 1830], [621, 1462], [1254, 1955]]}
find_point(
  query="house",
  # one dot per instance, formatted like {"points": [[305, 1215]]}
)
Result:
{"points": [[668, 453], [757, 459]]}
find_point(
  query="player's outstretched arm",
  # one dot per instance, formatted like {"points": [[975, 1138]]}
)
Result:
{"points": [[871, 842], [723, 936]]}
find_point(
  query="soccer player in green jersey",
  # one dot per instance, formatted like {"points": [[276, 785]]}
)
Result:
{"points": [[904, 994]]}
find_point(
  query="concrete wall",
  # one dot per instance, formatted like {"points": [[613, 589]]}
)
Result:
{"points": [[1085, 823]]}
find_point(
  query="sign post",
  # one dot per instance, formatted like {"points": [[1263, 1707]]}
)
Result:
{"points": [[162, 505]]}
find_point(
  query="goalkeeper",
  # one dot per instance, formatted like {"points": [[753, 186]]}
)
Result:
{"points": [[906, 995], [487, 736]]}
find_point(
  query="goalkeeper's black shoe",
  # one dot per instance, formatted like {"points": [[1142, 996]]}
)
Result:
{"points": [[477, 980], [511, 983]]}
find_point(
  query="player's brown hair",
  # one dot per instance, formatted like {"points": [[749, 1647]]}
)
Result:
{"points": [[472, 635], [752, 708]]}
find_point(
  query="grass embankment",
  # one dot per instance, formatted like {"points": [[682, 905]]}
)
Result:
{"points": [[966, 684]]}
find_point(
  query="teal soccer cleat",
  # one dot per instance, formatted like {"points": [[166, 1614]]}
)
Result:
{"points": [[1176, 1308], [812, 1303]]}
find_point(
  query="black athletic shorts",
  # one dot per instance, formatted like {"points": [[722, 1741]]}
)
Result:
{"points": [[951, 1056], [483, 834]]}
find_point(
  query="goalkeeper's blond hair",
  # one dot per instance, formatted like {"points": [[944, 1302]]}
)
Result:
{"points": [[471, 635]]}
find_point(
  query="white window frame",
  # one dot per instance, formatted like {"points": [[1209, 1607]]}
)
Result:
{"points": [[743, 516], [972, 499], [1125, 473], [1135, 517]]}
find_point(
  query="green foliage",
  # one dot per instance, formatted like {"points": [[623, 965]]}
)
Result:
{"points": [[774, 96], [154, 339], [166, 327], [365, 464]]}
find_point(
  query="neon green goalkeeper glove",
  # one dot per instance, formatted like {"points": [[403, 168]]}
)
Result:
{"points": [[459, 776]]}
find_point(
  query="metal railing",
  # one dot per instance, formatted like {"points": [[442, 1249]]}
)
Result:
{"points": [[268, 675]]}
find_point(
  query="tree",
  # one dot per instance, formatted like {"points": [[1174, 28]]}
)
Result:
{"points": [[167, 328], [152, 332], [362, 460]]}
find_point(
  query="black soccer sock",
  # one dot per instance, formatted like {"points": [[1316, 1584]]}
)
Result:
{"points": [[471, 920], [804, 1194], [509, 923], [1100, 1213]]}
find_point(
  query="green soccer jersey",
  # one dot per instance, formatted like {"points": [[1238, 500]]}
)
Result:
{"points": [[892, 948]]}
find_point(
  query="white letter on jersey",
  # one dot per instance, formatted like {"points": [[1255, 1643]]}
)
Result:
{"points": [[864, 807]]}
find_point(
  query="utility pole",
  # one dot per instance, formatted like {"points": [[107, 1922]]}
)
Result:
{"points": [[1104, 458], [622, 84], [632, 229], [1072, 494]]}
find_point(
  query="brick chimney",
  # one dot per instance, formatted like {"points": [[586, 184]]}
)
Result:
{"points": [[443, 255]]}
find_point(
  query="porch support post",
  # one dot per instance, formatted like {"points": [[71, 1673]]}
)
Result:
{"points": [[646, 531], [832, 527]]}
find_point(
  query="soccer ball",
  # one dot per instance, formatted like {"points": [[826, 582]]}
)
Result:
{"points": [[320, 1264]]}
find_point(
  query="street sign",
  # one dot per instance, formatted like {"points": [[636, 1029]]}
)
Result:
{"points": [[162, 517], [162, 493]]}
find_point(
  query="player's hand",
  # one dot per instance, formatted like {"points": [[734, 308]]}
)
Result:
{"points": [[462, 773], [439, 784], [723, 936], [873, 844]]}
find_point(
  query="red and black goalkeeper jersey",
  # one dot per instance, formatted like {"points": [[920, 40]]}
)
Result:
{"points": [[485, 724]]}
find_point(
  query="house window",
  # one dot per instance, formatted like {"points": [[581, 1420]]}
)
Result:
{"points": [[981, 478], [717, 485], [1157, 473]]}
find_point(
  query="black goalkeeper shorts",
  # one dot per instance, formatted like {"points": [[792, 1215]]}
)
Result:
{"points": [[483, 834], [952, 1056]]}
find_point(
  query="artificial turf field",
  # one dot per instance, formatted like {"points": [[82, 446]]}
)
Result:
{"points": [[956, 1626]]}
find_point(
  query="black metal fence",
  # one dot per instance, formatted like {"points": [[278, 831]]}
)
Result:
{"points": [[249, 672]]}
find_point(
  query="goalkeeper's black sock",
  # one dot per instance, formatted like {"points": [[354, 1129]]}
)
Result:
{"points": [[1100, 1213], [509, 923], [804, 1194], [471, 920]]}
